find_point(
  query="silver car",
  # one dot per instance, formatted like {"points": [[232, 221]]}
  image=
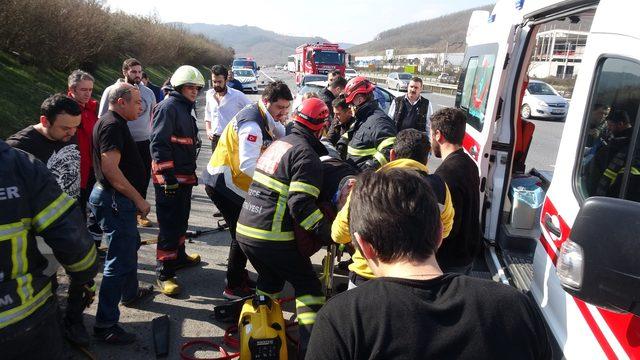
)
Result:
{"points": [[398, 81]]}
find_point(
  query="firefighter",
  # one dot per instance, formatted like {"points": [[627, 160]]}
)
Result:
{"points": [[285, 187], [372, 134], [229, 172], [174, 141], [28, 309]]}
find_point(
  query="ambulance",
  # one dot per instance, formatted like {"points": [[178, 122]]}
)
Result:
{"points": [[580, 261]]}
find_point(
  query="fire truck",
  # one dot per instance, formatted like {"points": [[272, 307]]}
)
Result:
{"points": [[318, 58], [580, 258]]}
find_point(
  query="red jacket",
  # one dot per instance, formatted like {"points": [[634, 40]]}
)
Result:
{"points": [[85, 139]]}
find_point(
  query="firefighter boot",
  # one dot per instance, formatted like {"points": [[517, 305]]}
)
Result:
{"points": [[169, 287], [186, 260]]}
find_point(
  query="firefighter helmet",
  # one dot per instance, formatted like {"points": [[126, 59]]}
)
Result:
{"points": [[357, 85], [187, 74], [312, 113]]}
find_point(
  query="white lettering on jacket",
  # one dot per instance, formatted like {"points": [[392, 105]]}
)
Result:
{"points": [[9, 193]]}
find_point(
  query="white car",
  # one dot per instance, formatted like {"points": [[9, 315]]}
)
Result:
{"points": [[248, 79], [398, 81], [350, 73], [543, 101]]}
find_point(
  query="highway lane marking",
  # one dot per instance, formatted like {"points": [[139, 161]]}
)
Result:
{"points": [[265, 74]]}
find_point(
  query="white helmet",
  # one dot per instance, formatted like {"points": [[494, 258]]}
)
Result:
{"points": [[187, 74]]}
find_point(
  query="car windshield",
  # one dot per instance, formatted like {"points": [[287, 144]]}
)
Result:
{"points": [[310, 88], [404, 76], [309, 78], [244, 73], [328, 57], [244, 63], [540, 89]]}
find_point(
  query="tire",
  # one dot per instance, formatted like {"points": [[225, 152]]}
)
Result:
{"points": [[525, 111]]}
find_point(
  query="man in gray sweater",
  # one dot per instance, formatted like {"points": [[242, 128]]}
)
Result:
{"points": [[140, 128]]}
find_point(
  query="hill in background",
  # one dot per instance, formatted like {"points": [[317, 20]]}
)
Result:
{"points": [[422, 36], [267, 47]]}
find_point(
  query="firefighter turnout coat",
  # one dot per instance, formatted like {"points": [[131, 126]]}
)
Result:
{"points": [[174, 141], [371, 137], [33, 204], [285, 187]]}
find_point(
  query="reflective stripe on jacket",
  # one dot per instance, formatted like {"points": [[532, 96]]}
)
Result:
{"points": [[38, 207], [371, 137]]}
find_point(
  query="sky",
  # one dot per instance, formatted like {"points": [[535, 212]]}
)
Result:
{"points": [[345, 21]]}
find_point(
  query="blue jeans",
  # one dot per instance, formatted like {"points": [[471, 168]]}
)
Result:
{"points": [[120, 280]]}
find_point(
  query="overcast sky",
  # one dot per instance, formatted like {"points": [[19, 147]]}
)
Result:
{"points": [[351, 21]]}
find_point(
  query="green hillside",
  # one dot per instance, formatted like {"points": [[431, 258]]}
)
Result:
{"points": [[23, 88]]}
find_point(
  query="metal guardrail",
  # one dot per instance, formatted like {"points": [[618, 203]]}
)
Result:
{"points": [[429, 84]]}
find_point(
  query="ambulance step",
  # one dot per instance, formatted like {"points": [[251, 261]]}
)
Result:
{"points": [[521, 269]]}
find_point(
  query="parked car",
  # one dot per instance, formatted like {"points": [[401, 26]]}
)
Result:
{"points": [[542, 100], [350, 73], [446, 78], [398, 81], [248, 79], [384, 96]]}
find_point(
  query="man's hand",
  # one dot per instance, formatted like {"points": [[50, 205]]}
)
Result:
{"points": [[143, 207], [170, 190], [88, 293]]}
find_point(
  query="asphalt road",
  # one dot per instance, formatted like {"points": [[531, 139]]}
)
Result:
{"points": [[190, 313]]}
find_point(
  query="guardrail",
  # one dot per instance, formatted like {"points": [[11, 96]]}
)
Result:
{"points": [[429, 84]]}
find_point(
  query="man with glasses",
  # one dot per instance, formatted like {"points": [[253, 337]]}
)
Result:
{"points": [[174, 143]]}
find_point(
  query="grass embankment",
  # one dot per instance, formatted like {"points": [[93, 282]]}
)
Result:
{"points": [[24, 87]]}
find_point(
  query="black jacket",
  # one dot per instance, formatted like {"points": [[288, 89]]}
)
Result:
{"points": [[285, 186], [38, 207], [174, 141], [371, 137], [327, 96]]}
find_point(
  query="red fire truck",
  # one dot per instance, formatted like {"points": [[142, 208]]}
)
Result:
{"points": [[318, 58]]}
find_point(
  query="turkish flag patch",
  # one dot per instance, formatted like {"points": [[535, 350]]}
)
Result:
{"points": [[252, 138]]}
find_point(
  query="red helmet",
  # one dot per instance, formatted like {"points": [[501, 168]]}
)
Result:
{"points": [[312, 113], [357, 85]]}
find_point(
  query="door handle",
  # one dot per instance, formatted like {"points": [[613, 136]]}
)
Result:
{"points": [[548, 224]]}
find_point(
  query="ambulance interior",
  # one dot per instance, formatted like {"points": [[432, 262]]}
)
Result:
{"points": [[553, 56]]}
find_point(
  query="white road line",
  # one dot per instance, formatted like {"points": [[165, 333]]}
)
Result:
{"points": [[265, 74]]}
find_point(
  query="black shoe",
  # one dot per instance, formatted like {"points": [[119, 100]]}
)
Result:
{"points": [[76, 333], [143, 292], [114, 335]]}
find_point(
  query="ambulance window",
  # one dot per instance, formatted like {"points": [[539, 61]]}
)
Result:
{"points": [[475, 88], [610, 163]]}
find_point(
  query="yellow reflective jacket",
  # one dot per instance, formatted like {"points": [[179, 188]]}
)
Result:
{"points": [[340, 226]]}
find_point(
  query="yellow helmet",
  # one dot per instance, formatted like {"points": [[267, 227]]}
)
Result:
{"points": [[187, 74]]}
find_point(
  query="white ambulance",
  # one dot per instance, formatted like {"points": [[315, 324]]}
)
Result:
{"points": [[581, 260]]}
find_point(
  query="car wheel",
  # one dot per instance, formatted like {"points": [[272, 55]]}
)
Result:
{"points": [[525, 112]]}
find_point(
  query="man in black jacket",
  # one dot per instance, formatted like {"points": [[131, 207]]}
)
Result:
{"points": [[460, 172], [373, 133], [412, 111], [285, 187], [28, 312], [174, 142], [333, 89]]}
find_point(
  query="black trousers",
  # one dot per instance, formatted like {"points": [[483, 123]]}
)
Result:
{"points": [[145, 153], [278, 262], [40, 341], [237, 262], [173, 220]]}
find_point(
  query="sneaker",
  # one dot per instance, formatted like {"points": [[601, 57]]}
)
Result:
{"points": [[76, 333], [169, 287], [114, 335], [144, 222], [187, 260], [142, 293], [237, 293]]}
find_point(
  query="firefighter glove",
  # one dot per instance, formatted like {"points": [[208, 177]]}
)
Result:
{"points": [[88, 293]]}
